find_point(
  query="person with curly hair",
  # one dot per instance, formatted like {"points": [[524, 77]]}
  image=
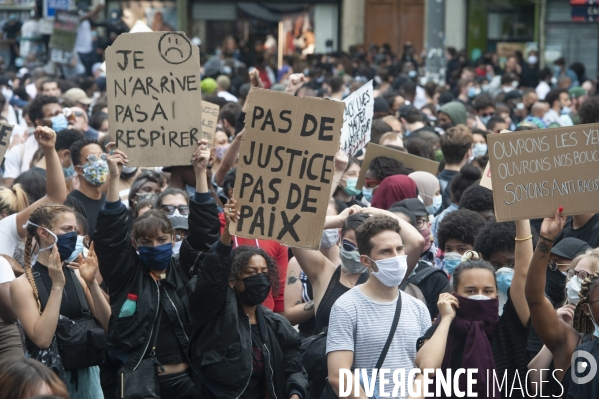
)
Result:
{"points": [[478, 199], [379, 169], [257, 351], [458, 231], [496, 244], [560, 338], [472, 332]]}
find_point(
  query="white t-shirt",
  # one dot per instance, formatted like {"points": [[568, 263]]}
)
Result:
{"points": [[6, 273], [84, 41], [362, 325], [9, 236], [227, 96], [542, 89], [12, 161]]}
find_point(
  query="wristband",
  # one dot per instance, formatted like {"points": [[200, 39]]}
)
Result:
{"points": [[545, 238], [523, 239]]}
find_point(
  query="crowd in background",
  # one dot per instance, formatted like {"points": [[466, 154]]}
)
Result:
{"points": [[147, 251]]}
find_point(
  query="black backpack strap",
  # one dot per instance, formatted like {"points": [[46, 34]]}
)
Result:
{"points": [[41, 290], [424, 270], [80, 295], [379, 364]]}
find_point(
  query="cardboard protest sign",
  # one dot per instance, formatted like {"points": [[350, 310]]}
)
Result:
{"points": [[64, 35], [5, 135], [357, 120], [209, 118], [285, 168], [417, 163], [154, 97], [535, 172]]}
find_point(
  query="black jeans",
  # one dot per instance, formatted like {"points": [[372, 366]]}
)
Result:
{"points": [[176, 385]]}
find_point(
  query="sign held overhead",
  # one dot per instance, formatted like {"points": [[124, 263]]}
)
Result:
{"points": [[535, 172], [285, 168], [357, 120], [154, 97]]}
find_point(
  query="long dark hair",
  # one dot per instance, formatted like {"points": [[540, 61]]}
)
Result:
{"points": [[241, 257]]}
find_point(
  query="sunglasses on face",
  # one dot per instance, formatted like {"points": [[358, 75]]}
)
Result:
{"points": [[348, 246], [170, 209], [492, 114], [554, 266]]}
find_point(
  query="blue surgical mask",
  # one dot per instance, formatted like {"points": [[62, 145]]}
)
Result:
{"points": [[156, 258], [412, 74], [69, 172], [566, 111], [437, 202], [367, 193], [350, 186], [504, 279], [472, 92], [479, 149], [451, 260], [485, 119], [78, 249], [59, 123]]}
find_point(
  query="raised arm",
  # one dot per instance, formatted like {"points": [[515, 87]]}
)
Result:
{"points": [[88, 270], [412, 239], [56, 186], [116, 255], [341, 161], [39, 328], [430, 356], [296, 311], [523, 254], [544, 318]]}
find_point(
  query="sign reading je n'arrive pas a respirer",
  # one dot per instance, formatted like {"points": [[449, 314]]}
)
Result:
{"points": [[285, 168], [535, 172], [154, 97]]}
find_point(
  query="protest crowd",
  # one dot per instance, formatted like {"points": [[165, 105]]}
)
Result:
{"points": [[376, 249]]}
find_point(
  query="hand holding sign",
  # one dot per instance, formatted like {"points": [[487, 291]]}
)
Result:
{"points": [[116, 160], [201, 156]]}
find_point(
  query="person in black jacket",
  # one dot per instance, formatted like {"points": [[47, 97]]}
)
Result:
{"points": [[153, 275], [240, 348]]}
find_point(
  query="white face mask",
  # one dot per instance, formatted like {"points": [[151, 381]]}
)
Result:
{"points": [[177, 247], [392, 270], [479, 149], [572, 289], [329, 238], [479, 297]]}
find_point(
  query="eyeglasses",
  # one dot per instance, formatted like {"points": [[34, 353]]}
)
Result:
{"points": [[170, 209], [580, 274], [348, 246], [492, 114], [371, 183], [93, 158], [420, 223], [554, 266]]}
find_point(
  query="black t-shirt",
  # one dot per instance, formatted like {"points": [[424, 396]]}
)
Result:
{"points": [[11, 29], [256, 388], [168, 348], [588, 233], [92, 208], [445, 178], [431, 288]]}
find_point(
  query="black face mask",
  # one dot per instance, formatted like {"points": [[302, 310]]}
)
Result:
{"points": [[257, 288], [555, 287]]}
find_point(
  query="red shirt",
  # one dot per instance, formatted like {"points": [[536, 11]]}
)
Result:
{"points": [[276, 251]]}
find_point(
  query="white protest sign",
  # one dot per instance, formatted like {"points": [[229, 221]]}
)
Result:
{"points": [[357, 120]]}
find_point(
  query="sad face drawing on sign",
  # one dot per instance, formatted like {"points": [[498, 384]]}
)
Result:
{"points": [[174, 48]]}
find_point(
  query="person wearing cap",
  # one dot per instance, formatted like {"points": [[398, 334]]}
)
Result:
{"points": [[412, 121], [381, 108], [78, 98], [559, 262], [223, 83]]}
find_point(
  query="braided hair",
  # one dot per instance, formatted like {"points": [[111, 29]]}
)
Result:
{"points": [[44, 216], [582, 322]]}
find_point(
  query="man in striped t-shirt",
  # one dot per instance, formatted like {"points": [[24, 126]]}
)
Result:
{"points": [[361, 319]]}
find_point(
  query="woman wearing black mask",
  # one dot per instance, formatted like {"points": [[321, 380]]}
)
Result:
{"points": [[239, 348], [147, 335]]}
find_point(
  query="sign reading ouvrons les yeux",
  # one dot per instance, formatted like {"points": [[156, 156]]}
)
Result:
{"points": [[285, 167], [536, 172], [154, 97]]}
